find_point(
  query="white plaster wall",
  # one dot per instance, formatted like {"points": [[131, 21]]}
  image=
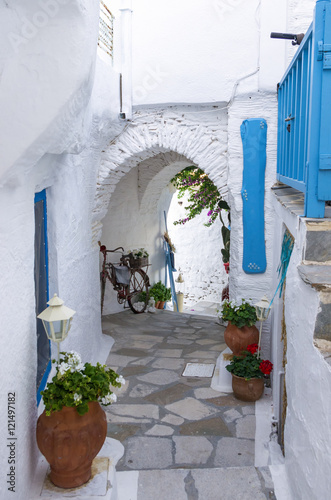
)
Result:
{"points": [[70, 180], [264, 105], [308, 377], [194, 51], [47, 71], [198, 254]]}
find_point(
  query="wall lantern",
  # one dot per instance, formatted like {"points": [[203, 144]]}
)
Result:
{"points": [[56, 320], [262, 309], [180, 288]]}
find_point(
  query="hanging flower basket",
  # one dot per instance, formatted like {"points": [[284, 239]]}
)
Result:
{"points": [[138, 258]]}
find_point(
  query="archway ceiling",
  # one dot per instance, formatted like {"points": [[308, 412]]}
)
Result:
{"points": [[156, 140]]}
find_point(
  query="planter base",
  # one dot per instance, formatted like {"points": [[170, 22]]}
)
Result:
{"points": [[239, 338], [247, 390], [70, 442]]}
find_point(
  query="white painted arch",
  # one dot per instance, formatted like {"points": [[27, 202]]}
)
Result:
{"points": [[184, 136]]}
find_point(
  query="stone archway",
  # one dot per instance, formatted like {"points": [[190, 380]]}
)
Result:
{"points": [[198, 137]]}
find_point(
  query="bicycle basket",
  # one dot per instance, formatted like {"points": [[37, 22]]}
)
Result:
{"points": [[138, 262]]}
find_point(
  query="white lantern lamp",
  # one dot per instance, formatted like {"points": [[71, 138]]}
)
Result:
{"points": [[262, 309], [56, 320], [180, 288]]}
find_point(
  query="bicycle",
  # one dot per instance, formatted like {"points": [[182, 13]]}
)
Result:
{"points": [[129, 280]]}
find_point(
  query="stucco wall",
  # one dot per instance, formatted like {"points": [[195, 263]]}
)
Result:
{"points": [[242, 285], [177, 46], [308, 376], [136, 170], [198, 254], [88, 120]]}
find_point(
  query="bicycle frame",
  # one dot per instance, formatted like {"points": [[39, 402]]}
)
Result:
{"points": [[139, 281]]}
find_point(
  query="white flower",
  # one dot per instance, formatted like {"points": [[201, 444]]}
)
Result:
{"points": [[109, 398], [63, 368], [121, 380], [77, 397]]}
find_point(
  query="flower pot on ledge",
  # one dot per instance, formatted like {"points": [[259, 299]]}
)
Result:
{"points": [[237, 339], [247, 389], [70, 442]]}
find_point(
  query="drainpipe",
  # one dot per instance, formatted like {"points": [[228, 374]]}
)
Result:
{"points": [[126, 60]]}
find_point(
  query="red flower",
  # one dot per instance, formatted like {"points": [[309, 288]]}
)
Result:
{"points": [[252, 348], [266, 367]]}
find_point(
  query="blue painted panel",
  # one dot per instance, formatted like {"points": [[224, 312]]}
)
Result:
{"points": [[41, 290], [254, 139]]}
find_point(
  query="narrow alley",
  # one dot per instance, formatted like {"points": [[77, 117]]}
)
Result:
{"points": [[182, 439]]}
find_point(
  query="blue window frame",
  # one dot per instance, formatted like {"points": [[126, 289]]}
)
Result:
{"points": [[41, 289]]}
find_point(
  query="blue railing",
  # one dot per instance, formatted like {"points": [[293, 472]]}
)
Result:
{"points": [[304, 116]]}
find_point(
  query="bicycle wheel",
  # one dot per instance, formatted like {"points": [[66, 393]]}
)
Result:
{"points": [[138, 291]]}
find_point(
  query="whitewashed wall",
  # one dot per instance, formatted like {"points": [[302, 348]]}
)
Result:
{"points": [[59, 108], [177, 46], [308, 376], [198, 254]]}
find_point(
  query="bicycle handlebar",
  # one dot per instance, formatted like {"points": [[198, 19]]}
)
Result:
{"points": [[103, 248]]}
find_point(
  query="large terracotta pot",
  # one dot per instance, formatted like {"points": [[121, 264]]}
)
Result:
{"points": [[247, 390], [70, 442], [161, 304], [239, 338]]}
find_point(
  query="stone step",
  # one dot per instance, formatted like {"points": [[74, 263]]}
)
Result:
{"points": [[318, 241], [227, 483]]}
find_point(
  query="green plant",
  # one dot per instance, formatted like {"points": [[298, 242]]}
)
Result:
{"points": [[248, 365], [242, 315], [138, 253], [160, 292], [76, 384], [203, 194]]}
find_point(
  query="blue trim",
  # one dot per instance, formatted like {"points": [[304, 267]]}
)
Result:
{"points": [[43, 381], [254, 138], [41, 196]]}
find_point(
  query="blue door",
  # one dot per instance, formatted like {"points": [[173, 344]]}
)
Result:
{"points": [[41, 289]]}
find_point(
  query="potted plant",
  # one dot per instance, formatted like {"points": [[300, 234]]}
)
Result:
{"points": [[248, 371], [138, 257], [160, 293], [73, 426], [241, 330]]}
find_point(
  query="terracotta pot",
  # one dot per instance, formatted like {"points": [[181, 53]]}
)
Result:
{"points": [[161, 304], [239, 338], [247, 390], [70, 442], [157, 304]]}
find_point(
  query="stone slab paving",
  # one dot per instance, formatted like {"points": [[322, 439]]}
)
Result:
{"points": [[185, 439]]}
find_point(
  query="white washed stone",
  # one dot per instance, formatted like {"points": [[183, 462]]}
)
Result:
{"points": [[169, 363], [191, 409], [173, 419], [148, 453], [233, 452], [142, 390], [159, 377], [137, 411], [206, 393], [119, 360], [192, 450], [168, 353], [160, 430], [231, 415], [245, 427]]}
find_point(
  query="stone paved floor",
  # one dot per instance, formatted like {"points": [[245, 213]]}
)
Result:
{"points": [[185, 438]]}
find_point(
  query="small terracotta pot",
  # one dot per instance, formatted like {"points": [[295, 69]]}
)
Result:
{"points": [[157, 304], [239, 338], [70, 442], [161, 304], [247, 390]]}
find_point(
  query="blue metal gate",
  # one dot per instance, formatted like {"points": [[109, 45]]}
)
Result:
{"points": [[304, 116]]}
